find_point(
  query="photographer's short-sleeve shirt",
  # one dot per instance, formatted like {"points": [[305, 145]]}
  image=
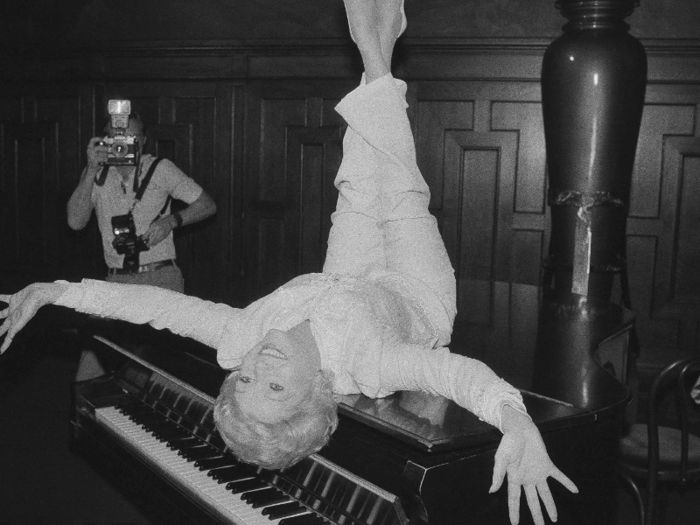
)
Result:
{"points": [[116, 197]]}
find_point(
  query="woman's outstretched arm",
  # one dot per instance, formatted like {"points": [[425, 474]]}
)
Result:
{"points": [[24, 305], [210, 323]]}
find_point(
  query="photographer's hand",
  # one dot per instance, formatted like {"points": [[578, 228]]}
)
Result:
{"points": [[23, 306], [96, 154], [159, 230]]}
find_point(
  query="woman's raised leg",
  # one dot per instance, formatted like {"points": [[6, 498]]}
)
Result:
{"points": [[356, 242]]}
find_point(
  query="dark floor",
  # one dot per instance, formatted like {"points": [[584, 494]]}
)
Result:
{"points": [[42, 482]]}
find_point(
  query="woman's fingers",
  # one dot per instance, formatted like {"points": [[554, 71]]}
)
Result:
{"points": [[546, 497], [533, 502], [564, 480], [514, 502]]}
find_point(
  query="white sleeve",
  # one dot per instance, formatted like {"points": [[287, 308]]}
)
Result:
{"points": [[213, 324], [468, 382]]}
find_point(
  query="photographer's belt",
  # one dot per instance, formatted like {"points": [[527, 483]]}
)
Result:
{"points": [[150, 267]]}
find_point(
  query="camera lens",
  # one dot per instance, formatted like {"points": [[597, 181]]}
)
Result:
{"points": [[120, 148]]}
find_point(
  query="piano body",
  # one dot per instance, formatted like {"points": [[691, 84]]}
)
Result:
{"points": [[410, 458]]}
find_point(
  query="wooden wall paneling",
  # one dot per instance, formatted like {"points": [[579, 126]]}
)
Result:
{"points": [[530, 212], [481, 149], [293, 154], [10, 114], [63, 105], [31, 156], [191, 124], [663, 261], [677, 283], [41, 153]]}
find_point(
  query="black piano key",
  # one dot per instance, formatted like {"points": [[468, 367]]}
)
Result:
{"points": [[160, 426], [264, 497], [238, 487], [181, 404], [163, 428], [133, 407], [146, 420], [226, 474], [304, 519], [316, 482], [215, 462], [285, 510], [217, 442], [195, 453], [196, 411], [384, 514], [142, 412], [366, 506], [166, 434], [187, 424], [350, 497], [169, 396], [208, 421], [184, 443], [156, 390], [158, 422], [270, 500]]}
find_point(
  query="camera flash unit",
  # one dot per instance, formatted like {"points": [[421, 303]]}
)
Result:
{"points": [[119, 111]]}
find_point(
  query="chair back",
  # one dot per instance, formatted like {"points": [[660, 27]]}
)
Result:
{"points": [[676, 380]]}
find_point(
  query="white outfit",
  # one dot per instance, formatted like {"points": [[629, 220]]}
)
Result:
{"points": [[382, 310]]}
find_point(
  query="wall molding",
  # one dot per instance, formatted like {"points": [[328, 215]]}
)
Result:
{"points": [[514, 59]]}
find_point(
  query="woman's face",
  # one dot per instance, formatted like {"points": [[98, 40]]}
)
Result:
{"points": [[278, 373]]}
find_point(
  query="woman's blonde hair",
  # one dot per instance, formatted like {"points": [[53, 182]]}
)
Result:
{"points": [[277, 445]]}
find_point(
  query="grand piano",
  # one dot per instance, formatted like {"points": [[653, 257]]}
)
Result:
{"points": [[410, 458]]}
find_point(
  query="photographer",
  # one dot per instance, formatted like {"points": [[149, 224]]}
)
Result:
{"points": [[132, 204]]}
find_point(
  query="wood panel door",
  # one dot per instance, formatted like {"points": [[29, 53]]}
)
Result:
{"points": [[481, 149], [663, 239], [294, 149], [40, 161]]}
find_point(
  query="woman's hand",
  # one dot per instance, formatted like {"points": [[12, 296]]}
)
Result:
{"points": [[523, 456], [24, 305]]}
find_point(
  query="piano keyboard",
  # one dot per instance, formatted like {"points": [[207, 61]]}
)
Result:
{"points": [[255, 497]]}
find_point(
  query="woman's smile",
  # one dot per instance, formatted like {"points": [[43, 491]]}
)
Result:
{"points": [[278, 373], [272, 352]]}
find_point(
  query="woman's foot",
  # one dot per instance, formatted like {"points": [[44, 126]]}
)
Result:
{"points": [[391, 23], [363, 16]]}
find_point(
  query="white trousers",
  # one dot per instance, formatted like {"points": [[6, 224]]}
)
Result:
{"points": [[382, 221]]}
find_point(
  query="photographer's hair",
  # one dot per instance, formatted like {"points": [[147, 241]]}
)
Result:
{"points": [[277, 445], [133, 116]]}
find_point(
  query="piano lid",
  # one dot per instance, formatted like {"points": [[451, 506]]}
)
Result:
{"points": [[436, 424]]}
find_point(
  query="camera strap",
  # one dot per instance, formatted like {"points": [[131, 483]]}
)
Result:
{"points": [[141, 188], [103, 176], [144, 184]]}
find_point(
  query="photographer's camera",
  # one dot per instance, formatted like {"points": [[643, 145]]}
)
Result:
{"points": [[122, 147], [126, 242]]}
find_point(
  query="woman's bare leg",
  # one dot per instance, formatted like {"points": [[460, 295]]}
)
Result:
{"points": [[363, 18], [391, 23]]}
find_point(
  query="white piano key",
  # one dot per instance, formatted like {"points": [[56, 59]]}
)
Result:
{"points": [[178, 469]]}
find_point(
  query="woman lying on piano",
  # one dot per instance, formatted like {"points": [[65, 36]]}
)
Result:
{"points": [[376, 321]]}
